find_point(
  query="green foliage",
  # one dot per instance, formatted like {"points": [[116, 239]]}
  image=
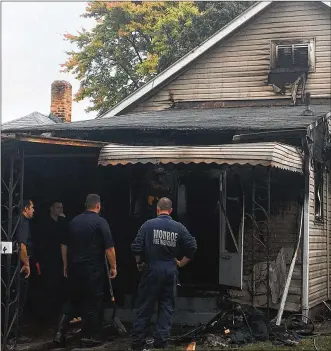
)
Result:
{"points": [[134, 41]]}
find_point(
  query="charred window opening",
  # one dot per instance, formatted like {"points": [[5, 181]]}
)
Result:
{"points": [[292, 56], [319, 180], [290, 62]]}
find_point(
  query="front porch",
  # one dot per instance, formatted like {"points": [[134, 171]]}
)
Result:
{"points": [[241, 207]]}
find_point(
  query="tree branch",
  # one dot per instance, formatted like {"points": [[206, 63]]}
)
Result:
{"points": [[129, 75], [135, 49]]}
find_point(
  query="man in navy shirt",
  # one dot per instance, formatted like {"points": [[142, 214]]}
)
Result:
{"points": [[160, 241], [88, 241], [49, 257], [23, 237]]}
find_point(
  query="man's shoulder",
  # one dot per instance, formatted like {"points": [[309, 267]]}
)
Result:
{"points": [[157, 221], [101, 220], [179, 225], [149, 222], [77, 218]]}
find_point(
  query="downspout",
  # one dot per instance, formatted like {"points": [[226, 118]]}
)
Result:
{"points": [[305, 253]]}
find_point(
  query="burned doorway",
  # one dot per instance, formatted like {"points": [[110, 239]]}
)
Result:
{"points": [[199, 185]]}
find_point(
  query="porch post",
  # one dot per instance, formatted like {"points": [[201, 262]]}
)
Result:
{"points": [[12, 181], [305, 251]]}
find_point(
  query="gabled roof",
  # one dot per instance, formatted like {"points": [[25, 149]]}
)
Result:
{"points": [[175, 69], [34, 119]]}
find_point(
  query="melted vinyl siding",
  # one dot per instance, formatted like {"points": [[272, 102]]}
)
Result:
{"points": [[237, 69], [318, 254]]}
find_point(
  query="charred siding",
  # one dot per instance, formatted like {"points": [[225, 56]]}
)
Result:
{"points": [[283, 234], [318, 250], [238, 67]]}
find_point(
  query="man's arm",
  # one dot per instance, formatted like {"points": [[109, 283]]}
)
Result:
{"points": [[64, 252], [64, 246], [22, 239], [188, 246], [137, 247], [109, 247], [111, 257], [25, 260]]}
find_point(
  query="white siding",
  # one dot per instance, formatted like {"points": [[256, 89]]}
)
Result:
{"points": [[318, 250], [329, 233], [238, 67]]}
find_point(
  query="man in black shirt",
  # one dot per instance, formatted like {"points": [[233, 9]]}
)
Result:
{"points": [[23, 237], [49, 257], [88, 241], [159, 242]]}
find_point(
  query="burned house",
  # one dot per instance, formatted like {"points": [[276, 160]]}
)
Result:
{"points": [[237, 133]]}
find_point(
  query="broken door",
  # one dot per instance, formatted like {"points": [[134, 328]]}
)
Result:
{"points": [[231, 214]]}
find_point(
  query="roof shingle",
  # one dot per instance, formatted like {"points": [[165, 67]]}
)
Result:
{"points": [[235, 119], [31, 120]]}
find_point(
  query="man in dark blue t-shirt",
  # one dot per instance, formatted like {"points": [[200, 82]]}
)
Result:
{"points": [[160, 241], [88, 241], [23, 238]]}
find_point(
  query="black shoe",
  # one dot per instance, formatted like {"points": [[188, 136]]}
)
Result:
{"points": [[90, 342], [61, 334], [59, 339], [160, 346], [141, 346], [23, 340], [138, 346]]}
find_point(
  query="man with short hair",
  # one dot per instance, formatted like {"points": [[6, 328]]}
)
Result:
{"points": [[49, 257], [159, 242], [88, 241], [24, 241]]}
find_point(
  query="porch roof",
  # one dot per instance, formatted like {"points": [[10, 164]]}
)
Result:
{"points": [[266, 154]]}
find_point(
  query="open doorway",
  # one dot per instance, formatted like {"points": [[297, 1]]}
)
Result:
{"points": [[207, 200]]}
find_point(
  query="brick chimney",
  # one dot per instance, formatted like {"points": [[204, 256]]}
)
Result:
{"points": [[61, 100]]}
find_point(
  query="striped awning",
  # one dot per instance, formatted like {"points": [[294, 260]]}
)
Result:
{"points": [[265, 154]]}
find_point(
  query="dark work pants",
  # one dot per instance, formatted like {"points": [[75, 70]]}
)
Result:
{"points": [[19, 305], [157, 286], [53, 290], [86, 290]]}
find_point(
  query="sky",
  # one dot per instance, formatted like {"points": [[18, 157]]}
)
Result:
{"points": [[32, 50]]}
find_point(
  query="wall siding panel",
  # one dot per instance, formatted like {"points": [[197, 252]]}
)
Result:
{"points": [[318, 250], [238, 67], [328, 230]]}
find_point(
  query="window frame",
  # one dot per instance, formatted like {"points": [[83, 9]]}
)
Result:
{"points": [[274, 44]]}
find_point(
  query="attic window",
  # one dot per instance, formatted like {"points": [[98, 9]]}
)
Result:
{"points": [[293, 55]]}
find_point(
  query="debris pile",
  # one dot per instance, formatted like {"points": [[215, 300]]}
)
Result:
{"points": [[237, 325], [234, 324]]}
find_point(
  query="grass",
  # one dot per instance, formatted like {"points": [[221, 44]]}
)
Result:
{"points": [[322, 343]]}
